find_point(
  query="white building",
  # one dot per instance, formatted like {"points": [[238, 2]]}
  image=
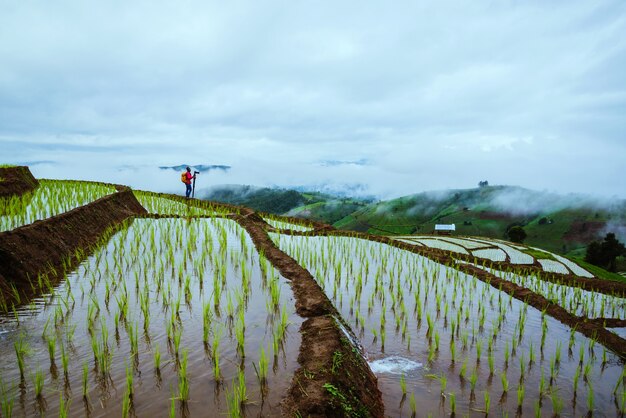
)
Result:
{"points": [[445, 229]]}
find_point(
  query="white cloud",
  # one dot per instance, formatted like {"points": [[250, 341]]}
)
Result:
{"points": [[432, 95]]}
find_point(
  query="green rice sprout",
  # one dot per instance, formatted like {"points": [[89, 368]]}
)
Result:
{"points": [[38, 383], [129, 382], [443, 382], [126, 404], [51, 343], [537, 408], [452, 398], [183, 381], [403, 384], [64, 407], [505, 383], [473, 380], [487, 403], [412, 404], [173, 407], [590, 400], [463, 371], [557, 402], [157, 358], [64, 360], [520, 396], [85, 381], [21, 349]]}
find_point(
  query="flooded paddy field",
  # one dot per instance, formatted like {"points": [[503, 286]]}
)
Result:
{"points": [[50, 198], [172, 317], [443, 342]]}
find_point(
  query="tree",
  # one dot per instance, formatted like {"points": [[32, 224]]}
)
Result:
{"points": [[516, 234], [605, 253], [483, 183]]}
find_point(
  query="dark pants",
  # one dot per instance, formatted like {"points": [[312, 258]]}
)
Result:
{"points": [[188, 192]]}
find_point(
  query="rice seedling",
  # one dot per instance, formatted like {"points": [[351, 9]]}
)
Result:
{"points": [[443, 382], [38, 383], [403, 384], [590, 399], [463, 370], [129, 382], [21, 349], [64, 407], [520, 397], [452, 398], [85, 381], [505, 382], [64, 361], [156, 354], [487, 403], [473, 380], [557, 403]]}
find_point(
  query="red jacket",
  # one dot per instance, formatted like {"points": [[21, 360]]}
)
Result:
{"points": [[189, 177]]}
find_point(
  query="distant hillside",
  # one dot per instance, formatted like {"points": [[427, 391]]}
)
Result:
{"points": [[309, 205], [200, 167], [559, 223]]}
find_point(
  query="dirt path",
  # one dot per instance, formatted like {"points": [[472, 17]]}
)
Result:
{"points": [[334, 379]]}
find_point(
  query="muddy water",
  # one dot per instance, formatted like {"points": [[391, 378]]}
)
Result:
{"points": [[162, 262], [368, 281]]}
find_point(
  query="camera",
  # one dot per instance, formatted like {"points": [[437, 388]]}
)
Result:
{"points": [[196, 172]]}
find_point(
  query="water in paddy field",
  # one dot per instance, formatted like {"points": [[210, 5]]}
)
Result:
{"points": [[450, 339], [155, 283]]}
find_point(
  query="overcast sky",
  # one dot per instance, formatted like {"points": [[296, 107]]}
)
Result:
{"points": [[391, 98]]}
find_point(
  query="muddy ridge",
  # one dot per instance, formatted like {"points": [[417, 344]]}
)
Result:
{"points": [[45, 246], [15, 181], [334, 379]]}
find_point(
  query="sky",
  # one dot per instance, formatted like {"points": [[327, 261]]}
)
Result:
{"points": [[376, 98]]}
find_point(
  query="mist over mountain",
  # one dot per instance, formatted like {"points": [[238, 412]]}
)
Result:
{"points": [[200, 167], [563, 223]]}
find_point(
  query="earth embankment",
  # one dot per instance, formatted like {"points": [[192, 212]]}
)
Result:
{"points": [[54, 244], [15, 181], [333, 380]]}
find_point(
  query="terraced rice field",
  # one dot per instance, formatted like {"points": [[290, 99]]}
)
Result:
{"points": [[444, 342], [177, 313], [497, 251]]}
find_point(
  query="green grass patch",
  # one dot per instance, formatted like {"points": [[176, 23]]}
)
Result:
{"points": [[538, 254]]}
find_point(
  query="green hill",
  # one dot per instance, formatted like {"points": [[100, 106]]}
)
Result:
{"points": [[565, 224], [307, 205]]}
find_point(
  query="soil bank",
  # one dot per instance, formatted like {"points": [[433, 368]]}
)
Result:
{"points": [[45, 246], [15, 181], [334, 379]]}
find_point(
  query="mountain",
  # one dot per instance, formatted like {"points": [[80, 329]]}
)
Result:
{"points": [[318, 206], [201, 167], [559, 223], [565, 224]]}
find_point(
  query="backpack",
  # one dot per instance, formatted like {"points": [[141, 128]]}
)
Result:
{"points": [[183, 177]]}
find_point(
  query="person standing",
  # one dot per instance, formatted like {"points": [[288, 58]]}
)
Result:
{"points": [[187, 177]]}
